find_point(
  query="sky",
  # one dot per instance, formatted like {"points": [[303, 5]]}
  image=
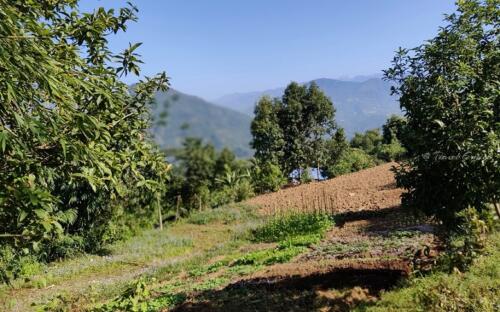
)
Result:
{"points": [[217, 47]]}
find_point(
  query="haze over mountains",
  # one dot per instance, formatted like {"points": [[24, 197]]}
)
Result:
{"points": [[218, 125], [360, 104]]}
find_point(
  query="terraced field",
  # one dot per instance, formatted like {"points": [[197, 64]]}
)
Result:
{"points": [[366, 190], [210, 262]]}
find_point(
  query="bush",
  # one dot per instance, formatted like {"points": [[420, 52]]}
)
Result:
{"points": [[267, 177], [13, 264], [288, 226], [464, 246], [390, 152], [351, 160]]}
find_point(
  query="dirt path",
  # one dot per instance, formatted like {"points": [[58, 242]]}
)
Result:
{"points": [[370, 189]]}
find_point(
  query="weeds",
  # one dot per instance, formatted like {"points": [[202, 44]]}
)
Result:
{"points": [[269, 256], [284, 227]]}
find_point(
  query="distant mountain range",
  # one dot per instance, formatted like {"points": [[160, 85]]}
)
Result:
{"points": [[360, 104], [218, 125]]}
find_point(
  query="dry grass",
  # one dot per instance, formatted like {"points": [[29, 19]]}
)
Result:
{"points": [[366, 190]]}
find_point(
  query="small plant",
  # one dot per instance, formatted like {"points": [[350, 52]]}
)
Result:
{"points": [[269, 256], [300, 241], [468, 243], [283, 227]]}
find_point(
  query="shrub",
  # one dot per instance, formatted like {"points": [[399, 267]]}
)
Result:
{"points": [[390, 152], [448, 88], [267, 177], [465, 245], [283, 227], [351, 160]]}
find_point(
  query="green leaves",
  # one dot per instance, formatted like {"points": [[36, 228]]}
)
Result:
{"points": [[3, 140], [448, 88], [70, 130]]}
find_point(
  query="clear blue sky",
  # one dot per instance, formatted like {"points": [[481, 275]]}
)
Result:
{"points": [[211, 48]]}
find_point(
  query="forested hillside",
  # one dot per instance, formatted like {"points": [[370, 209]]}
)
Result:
{"points": [[191, 116]]}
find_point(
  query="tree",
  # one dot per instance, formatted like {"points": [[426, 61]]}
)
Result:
{"points": [[225, 160], [367, 141], [293, 130], [266, 132], [197, 161], [336, 147], [393, 129], [74, 149], [449, 90], [320, 120], [290, 115]]}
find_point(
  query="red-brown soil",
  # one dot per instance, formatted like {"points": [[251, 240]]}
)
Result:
{"points": [[370, 189], [373, 245]]}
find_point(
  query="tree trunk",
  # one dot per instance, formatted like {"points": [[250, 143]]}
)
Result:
{"points": [[317, 170], [177, 210], [497, 209], [160, 217]]}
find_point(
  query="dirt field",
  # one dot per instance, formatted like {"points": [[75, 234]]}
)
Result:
{"points": [[358, 259], [366, 190], [374, 245]]}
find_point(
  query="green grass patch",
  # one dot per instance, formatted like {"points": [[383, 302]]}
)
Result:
{"points": [[300, 241], [225, 215], [269, 256], [280, 228]]}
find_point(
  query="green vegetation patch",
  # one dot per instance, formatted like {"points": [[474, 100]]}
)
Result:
{"points": [[269, 256], [285, 227], [475, 290]]}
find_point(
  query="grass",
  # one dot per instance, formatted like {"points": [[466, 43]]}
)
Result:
{"points": [[475, 290], [204, 251], [153, 253], [204, 277], [291, 225]]}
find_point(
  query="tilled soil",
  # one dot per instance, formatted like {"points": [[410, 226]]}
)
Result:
{"points": [[358, 258], [366, 190], [373, 245]]}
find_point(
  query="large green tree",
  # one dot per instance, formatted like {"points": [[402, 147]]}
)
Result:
{"points": [[74, 149], [293, 131], [267, 135], [449, 88]]}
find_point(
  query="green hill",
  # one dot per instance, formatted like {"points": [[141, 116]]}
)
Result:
{"points": [[218, 125]]}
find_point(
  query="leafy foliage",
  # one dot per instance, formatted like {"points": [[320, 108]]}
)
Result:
{"points": [[284, 227], [367, 141], [203, 177], [267, 177], [449, 89], [292, 131], [350, 160], [74, 152]]}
